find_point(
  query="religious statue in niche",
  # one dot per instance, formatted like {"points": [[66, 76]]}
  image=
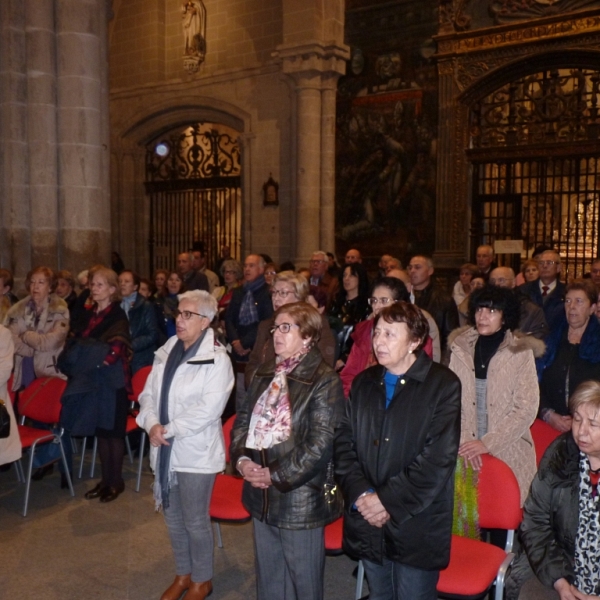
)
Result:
{"points": [[194, 34]]}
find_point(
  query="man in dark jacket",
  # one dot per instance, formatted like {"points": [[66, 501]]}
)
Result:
{"points": [[432, 298], [547, 291], [406, 454], [250, 304]]}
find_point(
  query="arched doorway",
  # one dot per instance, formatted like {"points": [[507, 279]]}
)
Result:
{"points": [[535, 155], [193, 180]]}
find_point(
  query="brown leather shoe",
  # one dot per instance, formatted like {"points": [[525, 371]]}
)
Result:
{"points": [[112, 492], [199, 591], [176, 589], [95, 492]]}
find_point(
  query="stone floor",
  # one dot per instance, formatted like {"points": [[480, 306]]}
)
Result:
{"points": [[72, 548]]}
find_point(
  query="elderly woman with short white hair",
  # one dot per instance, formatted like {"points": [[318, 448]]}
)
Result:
{"points": [[181, 408]]}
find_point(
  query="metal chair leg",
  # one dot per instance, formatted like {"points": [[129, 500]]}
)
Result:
{"points": [[83, 446], [28, 479], [128, 446], [94, 451], [360, 577], [66, 466], [219, 537], [141, 461]]}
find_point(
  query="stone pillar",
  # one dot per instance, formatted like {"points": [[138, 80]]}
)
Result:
{"points": [[41, 134], [82, 132], [328, 107], [315, 69], [15, 242], [308, 167]]}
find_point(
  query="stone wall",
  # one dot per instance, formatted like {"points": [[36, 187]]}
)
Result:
{"points": [[263, 57]]}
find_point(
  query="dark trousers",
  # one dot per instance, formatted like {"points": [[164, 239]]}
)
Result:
{"points": [[395, 581]]}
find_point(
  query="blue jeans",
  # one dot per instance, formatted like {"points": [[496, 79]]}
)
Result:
{"points": [[395, 581]]}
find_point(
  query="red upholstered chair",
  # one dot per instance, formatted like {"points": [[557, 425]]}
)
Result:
{"points": [[334, 534], [40, 401], [543, 435], [475, 565], [226, 501]]}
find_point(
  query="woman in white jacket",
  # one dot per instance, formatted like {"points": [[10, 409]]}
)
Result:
{"points": [[181, 408]]}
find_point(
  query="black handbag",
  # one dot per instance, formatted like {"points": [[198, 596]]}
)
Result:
{"points": [[4, 421]]}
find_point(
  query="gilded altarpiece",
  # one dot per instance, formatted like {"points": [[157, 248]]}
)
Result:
{"points": [[519, 121]]}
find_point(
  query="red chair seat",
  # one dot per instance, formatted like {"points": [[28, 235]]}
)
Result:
{"points": [[225, 503], [473, 567], [29, 435], [334, 533]]}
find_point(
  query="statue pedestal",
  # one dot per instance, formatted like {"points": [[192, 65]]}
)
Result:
{"points": [[191, 63]]}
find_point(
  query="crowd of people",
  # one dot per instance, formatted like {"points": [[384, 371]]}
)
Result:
{"points": [[352, 395]]}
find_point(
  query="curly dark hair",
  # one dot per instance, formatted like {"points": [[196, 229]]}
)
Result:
{"points": [[498, 298], [396, 286], [405, 312]]}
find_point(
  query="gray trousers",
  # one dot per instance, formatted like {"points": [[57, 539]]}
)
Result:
{"points": [[189, 525], [290, 563]]}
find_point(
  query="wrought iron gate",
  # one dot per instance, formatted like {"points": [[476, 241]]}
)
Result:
{"points": [[193, 178], [550, 201], [535, 150]]}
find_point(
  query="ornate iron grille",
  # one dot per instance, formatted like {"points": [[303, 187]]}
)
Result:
{"points": [[193, 178], [552, 201], [552, 106]]}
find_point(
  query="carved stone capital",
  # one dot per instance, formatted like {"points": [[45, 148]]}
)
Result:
{"points": [[304, 62]]}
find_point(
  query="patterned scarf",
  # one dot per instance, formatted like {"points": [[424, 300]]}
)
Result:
{"points": [[248, 313], [587, 542], [271, 420]]}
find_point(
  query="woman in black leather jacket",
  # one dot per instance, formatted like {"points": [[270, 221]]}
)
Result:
{"points": [[282, 444]]}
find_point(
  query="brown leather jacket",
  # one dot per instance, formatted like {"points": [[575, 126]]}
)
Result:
{"points": [[298, 466]]}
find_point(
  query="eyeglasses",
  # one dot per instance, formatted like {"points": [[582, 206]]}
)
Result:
{"points": [[383, 301], [283, 293], [500, 281], [270, 273], [315, 261], [186, 315], [283, 327], [546, 263]]}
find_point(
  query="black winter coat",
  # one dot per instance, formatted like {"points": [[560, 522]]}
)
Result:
{"points": [[550, 520], [144, 329], [298, 466], [407, 455]]}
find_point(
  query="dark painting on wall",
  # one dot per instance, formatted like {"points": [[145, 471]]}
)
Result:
{"points": [[386, 151]]}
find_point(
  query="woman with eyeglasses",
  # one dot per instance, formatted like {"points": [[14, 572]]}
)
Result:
{"points": [[572, 353], [282, 445], [288, 287], [385, 291], [181, 408]]}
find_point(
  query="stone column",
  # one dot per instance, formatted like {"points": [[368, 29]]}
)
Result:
{"points": [[82, 132], [41, 131], [15, 242], [315, 69], [308, 167], [327, 214]]}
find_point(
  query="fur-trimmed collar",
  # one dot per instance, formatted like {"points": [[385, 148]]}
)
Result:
{"points": [[465, 337], [56, 305]]}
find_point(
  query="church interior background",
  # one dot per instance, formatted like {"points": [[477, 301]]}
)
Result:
{"points": [[286, 126]]}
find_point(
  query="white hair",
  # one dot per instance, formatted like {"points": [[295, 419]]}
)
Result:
{"points": [[322, 253], [205, 303]]}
